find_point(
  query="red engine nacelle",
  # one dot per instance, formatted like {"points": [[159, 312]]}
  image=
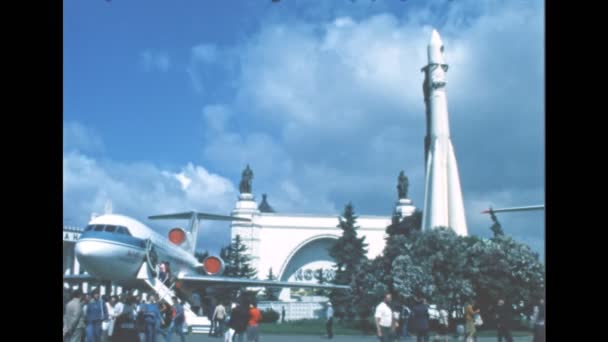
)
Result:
{"points": [[213, 265], [177, 236]]}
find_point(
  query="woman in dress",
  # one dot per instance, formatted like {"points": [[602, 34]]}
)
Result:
{"points": [[469, 329]]}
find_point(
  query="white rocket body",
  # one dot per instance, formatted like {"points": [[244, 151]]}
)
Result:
{"points": [[443, 203]]}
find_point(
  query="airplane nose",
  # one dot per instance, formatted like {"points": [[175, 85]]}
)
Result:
{"points": [[88, 249], [92, 255], [107, 258]]}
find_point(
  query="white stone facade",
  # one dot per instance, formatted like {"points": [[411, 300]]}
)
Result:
{"points": [[293, 245]]}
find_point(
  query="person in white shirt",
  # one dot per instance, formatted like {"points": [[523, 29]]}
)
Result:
{"points": [[330, 320], [443, 326], [384, 319], [218, 320], [116, 311]]}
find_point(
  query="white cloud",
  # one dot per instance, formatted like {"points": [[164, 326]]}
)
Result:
{"points": [[184, 180], [215, 117], [155, 60], [141, 189], [335, 110], [78, 137], [202, 57]]}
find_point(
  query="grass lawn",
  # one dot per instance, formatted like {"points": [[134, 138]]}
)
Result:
{"points": [[317, 327]]}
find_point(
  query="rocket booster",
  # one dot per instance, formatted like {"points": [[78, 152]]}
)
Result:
{"points": [[443, 195]]}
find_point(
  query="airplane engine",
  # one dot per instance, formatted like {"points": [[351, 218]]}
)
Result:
{"points": [[177, 236], [213, 265]]}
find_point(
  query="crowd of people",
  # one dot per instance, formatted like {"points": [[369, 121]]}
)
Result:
{"points": [[399, 321], [95, 318], [92, 318], [239, 324]]}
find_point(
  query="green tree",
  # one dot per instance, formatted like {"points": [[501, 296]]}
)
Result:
{"points": [[410, 279], [443, 254], [368, 290], [405, 226], [505, 268], [400, 234], [349, 252], [449, 270], [237, 264], [271, 292], [237, 260], [321, 279]]}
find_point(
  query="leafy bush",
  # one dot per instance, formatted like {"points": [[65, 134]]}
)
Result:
{"points": [[270, 316]]}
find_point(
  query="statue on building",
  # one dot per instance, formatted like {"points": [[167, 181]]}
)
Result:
{"points": [[245, 186], [402, 185], [264, 206], [496, 227]]}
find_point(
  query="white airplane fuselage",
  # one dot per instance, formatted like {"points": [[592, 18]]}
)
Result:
{"points": [[113, 248]]}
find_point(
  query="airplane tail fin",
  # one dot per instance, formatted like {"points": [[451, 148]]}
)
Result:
{"points": [[194, 218]]}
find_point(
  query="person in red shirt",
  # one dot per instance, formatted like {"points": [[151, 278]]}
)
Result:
{"points": [[255, 316]]}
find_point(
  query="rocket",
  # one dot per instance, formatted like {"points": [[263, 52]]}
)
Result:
{"points": [[443, 204]]}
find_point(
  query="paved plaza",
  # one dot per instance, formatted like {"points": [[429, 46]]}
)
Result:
{"points": [[341, 338]]}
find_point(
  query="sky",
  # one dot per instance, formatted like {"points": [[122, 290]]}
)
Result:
{"points": [[165, 103]]}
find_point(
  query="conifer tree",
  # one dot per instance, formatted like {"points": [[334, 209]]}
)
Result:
{"points": [[349, 252], [237, 260], [271, 292], [237, 264]]}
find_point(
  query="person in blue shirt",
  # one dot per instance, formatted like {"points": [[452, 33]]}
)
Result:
{"points": [[330, 320], [95, 313], [420, 320], [405, 316], [152, 319], [177, 323]]}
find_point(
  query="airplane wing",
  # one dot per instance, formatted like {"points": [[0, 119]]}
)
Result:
{"points": [[237, 282], [189, 214], [530, 207]]}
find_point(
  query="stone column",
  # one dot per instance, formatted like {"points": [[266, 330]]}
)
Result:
{"points": [[404, 208], [249, 232]]}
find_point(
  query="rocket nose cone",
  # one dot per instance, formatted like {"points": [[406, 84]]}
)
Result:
{"points": [[435, 38], [435, 49]]}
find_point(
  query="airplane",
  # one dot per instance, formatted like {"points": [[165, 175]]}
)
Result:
{"points": [[493, 211], [119, 249], [530, 207]]}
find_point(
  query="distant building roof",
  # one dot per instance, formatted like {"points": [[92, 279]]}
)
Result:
{"points": [[264, 206]]}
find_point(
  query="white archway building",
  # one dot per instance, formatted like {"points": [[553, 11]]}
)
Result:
{"points": [[295, 245]]}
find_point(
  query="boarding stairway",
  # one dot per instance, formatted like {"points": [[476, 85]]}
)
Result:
{"points": [[196, 324]]}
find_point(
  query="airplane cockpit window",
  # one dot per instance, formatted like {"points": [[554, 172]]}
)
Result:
{"points": [[123, 230], [108, 228]]}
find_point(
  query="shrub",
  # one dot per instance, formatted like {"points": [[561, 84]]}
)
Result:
{"points": [[270, 316]]}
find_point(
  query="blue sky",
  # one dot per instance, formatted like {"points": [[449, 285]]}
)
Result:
{"points": [[165, 104]]}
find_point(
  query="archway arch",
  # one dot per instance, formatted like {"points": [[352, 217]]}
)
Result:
{"points": [[314, 249]]}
